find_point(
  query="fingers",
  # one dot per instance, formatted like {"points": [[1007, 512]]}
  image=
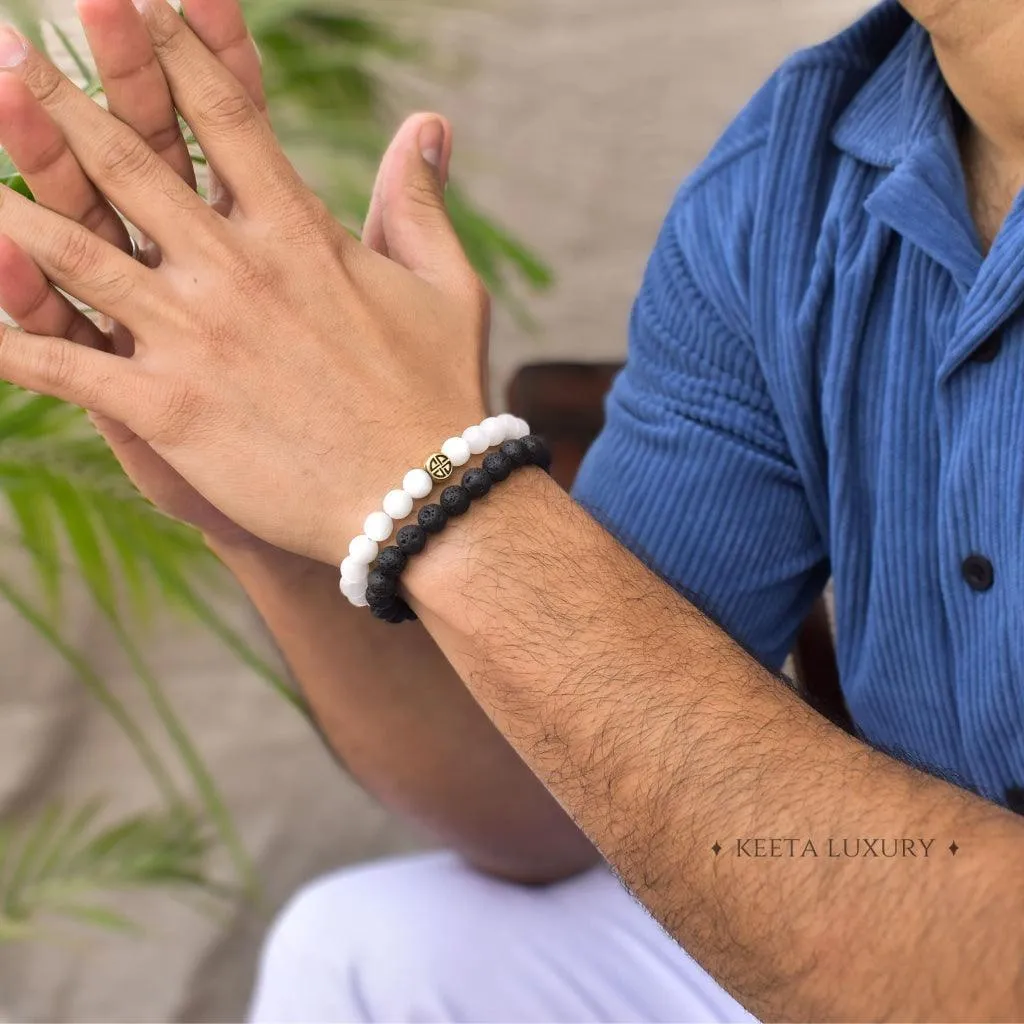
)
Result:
{"points": [[82, 264], [373, 229], [136, 88], [228, 123], [221, 27], [40, 152], [73, 373], [114, 157], [414, 220], [133, 81], [33, 303]]}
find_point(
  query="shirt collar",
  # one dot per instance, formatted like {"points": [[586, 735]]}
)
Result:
{"points": [[904, 122], [904, 105]]}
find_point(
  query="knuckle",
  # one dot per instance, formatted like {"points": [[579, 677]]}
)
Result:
{"points": [[45, 82], [124, 157], [309, 221], [422, 196], [166, 33], [115, 288], [226, 111], [74, 255], [77, 257], [58, 370]]}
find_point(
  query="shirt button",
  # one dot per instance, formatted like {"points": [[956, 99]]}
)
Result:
{"points": [[1015, 799], [979, 573], [988, 350]]}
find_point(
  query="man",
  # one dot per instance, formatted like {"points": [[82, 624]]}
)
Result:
{"points": [[823, 377]]}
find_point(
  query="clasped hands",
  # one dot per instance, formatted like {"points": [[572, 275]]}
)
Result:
{"points": [[267, 374]]}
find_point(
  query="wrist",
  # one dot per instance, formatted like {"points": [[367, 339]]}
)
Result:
{"points": [[462, 470], [247, 556], [471, 559], [384, 472]]}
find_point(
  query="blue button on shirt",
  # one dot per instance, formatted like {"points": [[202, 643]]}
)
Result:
{"points": [[800, 401]]}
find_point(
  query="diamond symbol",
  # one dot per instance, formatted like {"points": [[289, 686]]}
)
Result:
{"points": [[953, 848], [717, 848]]}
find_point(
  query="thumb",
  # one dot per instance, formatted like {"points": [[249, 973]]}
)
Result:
{"points": [[410, 222]]}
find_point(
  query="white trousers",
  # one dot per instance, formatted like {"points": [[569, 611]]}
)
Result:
{"points": [[428, 939]]}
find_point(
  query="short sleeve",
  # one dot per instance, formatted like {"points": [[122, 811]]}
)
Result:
{"points": [[693, 472]]}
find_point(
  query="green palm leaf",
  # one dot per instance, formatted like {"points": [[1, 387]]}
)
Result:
{"points": [[41, 623], [68, 493], [58, 864]]}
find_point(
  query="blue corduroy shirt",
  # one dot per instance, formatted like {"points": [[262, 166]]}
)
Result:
{"points": [[826, 377]]}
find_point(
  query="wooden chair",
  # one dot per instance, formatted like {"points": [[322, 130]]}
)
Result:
{"points": [[565, 403]]}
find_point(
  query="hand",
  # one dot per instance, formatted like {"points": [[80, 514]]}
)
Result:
{"points": [[138, 94], [290, 374]]}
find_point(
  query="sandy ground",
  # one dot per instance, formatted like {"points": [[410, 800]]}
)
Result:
{"points": [[576, 124]]}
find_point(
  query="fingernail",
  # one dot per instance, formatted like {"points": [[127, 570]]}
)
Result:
{"points": [[13, 48], [432, 142], [140, 6]]}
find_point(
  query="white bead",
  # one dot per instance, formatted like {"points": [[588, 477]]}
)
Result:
{"points": [[510, 425], [522, 429], [363, 550], [457, 450], [398, 505], [418, 483], [476, 438], [355, 593], [353, 571], [378, 526], [495, 431]]}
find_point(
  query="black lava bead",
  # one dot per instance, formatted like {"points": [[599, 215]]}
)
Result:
{"points": [[538, 449], [411, 540], [395, 612], [433, 518], [380, 586], [477, 482], [517, 452], [498, 466], [385, 610], [456, 501], [391, 562]]}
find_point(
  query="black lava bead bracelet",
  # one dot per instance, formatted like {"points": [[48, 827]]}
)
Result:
{"points": [[383, 583]]}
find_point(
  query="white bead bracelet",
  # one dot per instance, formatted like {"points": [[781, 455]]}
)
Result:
{"points": [[418, 484]]}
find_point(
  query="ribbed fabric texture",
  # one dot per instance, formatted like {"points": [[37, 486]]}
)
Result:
{"points": [[800, 401]]}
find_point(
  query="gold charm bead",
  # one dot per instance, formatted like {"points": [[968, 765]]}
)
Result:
{"points": [[440, 467]]}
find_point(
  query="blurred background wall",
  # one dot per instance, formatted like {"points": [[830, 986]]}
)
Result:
{"points": [[576, 121]]}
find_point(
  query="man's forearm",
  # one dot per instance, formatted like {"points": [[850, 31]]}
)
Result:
{"points": [[403, 723], [664, 739]]}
